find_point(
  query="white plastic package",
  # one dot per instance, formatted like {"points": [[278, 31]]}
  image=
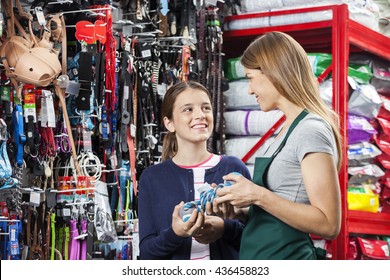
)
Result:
{"points": [[104, 224]]}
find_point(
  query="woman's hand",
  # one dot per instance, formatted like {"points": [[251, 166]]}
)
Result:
{"points": [[224, 210], [212, 230], [241, 194], [186, 229]]}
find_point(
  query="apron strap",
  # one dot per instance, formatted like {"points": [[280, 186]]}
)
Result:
{"points": [[300, 117]]}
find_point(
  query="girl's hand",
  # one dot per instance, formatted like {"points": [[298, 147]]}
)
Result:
{"points": [[186, 229], [211, 230]]}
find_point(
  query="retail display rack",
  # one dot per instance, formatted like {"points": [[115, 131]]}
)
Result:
{"points": [[339, 36]]}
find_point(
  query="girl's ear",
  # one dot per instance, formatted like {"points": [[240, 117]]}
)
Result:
{"points": [[169, 124]]}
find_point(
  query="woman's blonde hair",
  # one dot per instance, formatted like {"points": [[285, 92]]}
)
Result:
{"points": [[285, 63], [170, 147]]}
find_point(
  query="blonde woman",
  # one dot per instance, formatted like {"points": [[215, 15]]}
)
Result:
{"points": [[295, 189]]}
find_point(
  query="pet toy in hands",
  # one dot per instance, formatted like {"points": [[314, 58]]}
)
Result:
{"points": [[208, 194]]}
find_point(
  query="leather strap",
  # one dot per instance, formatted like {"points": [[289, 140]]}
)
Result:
{"points": [[60, 93], [130, 143], [202, 47], [53, 234], [188, 17], [28, 230], [125, 116], [99, 76], [46, 246], [64, 45], [90, 230], [139, 10], [135, 97], [85, 78], [85, 62], [30, 134], [35, 248], [219, 118], [163, 25]]}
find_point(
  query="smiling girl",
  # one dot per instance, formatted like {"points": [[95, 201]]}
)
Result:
{"points": [[187, 164]]}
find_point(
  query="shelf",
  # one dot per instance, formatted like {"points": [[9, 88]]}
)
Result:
{"points": [[369, 40], [315, 39], [339, 36], [313, 36], [368, 223]]}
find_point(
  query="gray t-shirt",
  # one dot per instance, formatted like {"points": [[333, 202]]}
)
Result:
{"points": [[312, 134]]}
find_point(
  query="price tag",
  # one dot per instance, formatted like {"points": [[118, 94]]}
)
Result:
{"points": [[40, 16], [35, 198], [29, 106], [51, 117], [127, 46]]}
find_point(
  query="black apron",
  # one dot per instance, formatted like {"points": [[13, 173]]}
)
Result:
{"points": [[265, 237]]}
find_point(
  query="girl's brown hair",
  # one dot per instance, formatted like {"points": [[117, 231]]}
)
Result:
{"points": [[170, 148], [285, 63]]}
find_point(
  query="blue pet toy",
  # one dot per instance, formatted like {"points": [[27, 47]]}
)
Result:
{"points": [[205, 196]]}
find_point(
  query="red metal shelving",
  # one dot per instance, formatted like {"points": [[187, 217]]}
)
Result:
{"points": [[368, 223], [339, 36], [368, 40]]}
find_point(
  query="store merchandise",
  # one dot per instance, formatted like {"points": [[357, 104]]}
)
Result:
{"points": [[207, 194], [80, 91], [343, 76], [81, 87], [365, 12]]}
